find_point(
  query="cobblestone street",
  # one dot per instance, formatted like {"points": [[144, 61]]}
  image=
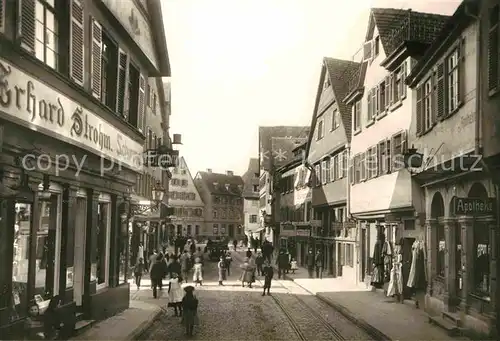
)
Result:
{"points": [[232, 312]]}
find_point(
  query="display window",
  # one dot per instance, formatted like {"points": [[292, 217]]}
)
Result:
{"points": [[44, 239], [100, 267]]}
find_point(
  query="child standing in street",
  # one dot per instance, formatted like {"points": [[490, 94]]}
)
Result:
{"points": [[198, 271], [268, 273], [175, 294], [293, 265]]}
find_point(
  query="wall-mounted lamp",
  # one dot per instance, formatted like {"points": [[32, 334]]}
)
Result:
{"points": [[412, 158]]}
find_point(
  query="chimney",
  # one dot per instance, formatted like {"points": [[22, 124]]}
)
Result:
{"points": [[230, 173], [209, 170]]}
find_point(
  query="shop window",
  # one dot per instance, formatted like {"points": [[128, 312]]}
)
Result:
{"points": [[197, 230], [189, 230], [101, 267], [482, 253], [20, 263], [47, 245]]}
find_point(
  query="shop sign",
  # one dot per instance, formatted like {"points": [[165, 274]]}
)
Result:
{"points": [[31, 103], [136, 25], [287, 229], [302, 232], [473, 206]]}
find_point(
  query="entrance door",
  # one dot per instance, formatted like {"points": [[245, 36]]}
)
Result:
{"points": [[363, 254], [79, 255]]}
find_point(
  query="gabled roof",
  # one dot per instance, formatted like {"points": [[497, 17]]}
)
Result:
{"points": [[341, 73], [216, 183], [249, 179], [183, 165], [266, 154], [159, 37], [455, 24], [397, 26]]}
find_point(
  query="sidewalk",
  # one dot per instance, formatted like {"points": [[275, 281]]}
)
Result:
{"points": [[379, 315], [132, 322]]}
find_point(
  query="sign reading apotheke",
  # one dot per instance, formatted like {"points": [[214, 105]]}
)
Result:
{"points": [[39, 107], [474, 206]]}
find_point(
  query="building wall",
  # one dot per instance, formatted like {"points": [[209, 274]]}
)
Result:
{"points": [[456, 134], [392, 190], [86, 247], [250, 208]]}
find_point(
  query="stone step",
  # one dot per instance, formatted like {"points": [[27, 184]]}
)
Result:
{"points": [[450, 328], [453, 318], [82, 325]]}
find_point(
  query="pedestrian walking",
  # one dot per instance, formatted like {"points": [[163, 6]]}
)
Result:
{"points": [[235, 244], [310, 264], [174, 266], [268, 273], [318, 263], [190, 310], [175, 294], [197, 272], [293, 265], [229, 260], [157, 272], [222, 270], [185, 265], [248, 273], [259, 261], [138, 272], [267, 250], [282, 263]]}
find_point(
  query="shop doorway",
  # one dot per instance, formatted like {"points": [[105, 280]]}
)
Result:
{"points": [[79, 255]]}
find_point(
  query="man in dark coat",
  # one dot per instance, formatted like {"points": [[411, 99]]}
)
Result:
{"points": [[282, 262], [174, 267], [310, 264], [268, 272], [318, 264], [267, 250], [157, 272]]}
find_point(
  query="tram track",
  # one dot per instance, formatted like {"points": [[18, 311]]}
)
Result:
{"points": [[333, 333]]}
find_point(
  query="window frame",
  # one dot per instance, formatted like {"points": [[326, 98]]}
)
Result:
{"points": [[356, 114], [106, 199], [54, 10], [335, 120], [427, 104], [321, 129], [452, 71]]}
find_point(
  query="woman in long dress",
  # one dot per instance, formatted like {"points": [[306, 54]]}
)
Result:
{"points": [[247, 276], [198, 272], [396, 282], [190, 310], [222, 270], [175, 294]]}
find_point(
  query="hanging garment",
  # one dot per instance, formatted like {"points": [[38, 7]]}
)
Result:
{"points": [[420, 280], [396, 282], [377, 258], [387, 255], [413, 268]]}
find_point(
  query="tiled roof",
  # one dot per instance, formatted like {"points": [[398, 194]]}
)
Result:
{"points": [[341, 73], [266, 155], [397, 26], [249, 179], [216, 183], [283, 149]]}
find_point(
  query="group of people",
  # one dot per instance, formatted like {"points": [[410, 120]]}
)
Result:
{"points": [[49, 325]]}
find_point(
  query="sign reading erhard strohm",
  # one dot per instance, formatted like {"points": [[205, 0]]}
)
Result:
{"points": [[473, 206]]}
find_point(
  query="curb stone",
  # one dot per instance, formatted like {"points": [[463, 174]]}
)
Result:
{"points": [[145, 325]]}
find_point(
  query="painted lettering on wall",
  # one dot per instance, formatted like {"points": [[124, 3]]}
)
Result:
{"points": [[30, 102]]}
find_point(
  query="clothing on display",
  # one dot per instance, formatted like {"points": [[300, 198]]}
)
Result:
{"points": [[378, 262], [417, 278], [387, 253], [396, 281]]}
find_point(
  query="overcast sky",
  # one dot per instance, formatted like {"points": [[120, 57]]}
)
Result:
{"points": [[238, 64]]}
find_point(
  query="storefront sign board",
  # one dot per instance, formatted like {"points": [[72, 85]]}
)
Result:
{"points": [[29, 102], [302, 232], [474, 206]]}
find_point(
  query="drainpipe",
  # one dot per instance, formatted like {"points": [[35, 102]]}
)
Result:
{"points": [[478, 150]]}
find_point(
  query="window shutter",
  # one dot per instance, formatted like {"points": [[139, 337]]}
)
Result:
{"points": [[387, 92], [420, 111], [440, 92], [141, 102], [363, 166], [376, 158], [122, 83], [391, 89], [2, 16], [332, 169], [461, 71], [383, 157], [369, 106], [404, 142], [351, 171], [493, 39], [26, 24], [341, 165], [95, 67], [77, 43], [393, 148], [378, 110], [403, 80]]}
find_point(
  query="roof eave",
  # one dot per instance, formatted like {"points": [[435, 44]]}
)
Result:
{"points": [[354, 95], [154, 8]]}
